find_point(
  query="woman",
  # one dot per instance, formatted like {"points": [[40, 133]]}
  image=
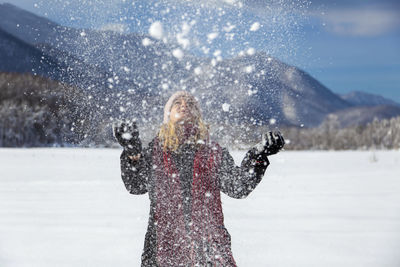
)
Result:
{"points": [[184, 172]]}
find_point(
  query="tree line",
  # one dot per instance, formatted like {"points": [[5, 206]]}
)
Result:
{"points": [[36, 111], [378, 134]]}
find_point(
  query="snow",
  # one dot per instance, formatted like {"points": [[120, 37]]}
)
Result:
{"points": [[198, 71], [165, 86], [156, 30], [251, 51], [178, 53], [126, 69], [217, 53], [231, 2], [212, 36], [225, 107], [115, 27], [127, 136], [182, 36], [255, 26], [69, 207], [229, 27], [249, 69], [146, 41]]}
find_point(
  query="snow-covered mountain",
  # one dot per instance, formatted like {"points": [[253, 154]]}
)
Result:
{"points": [[131, 75], [365, 108], [365, 99], [362, 115], [261, 87]]}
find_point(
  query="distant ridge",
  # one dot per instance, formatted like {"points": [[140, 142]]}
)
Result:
{"points": [[362, 115], [365, 99], [19, 56], [25, 25]]}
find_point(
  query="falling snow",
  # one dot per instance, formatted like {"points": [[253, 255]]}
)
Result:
{"points": [[198, 71], [225, 107], [178, 53], [156, 30], [255, 26], [249, 69], [127, 64], [251, 51], [146, 42], [212, 36]]}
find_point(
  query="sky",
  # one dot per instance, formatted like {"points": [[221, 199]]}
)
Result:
{"points": [[346, 45]]}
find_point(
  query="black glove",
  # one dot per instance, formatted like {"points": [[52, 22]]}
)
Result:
{"points": [[271, 143], [127, 135]]}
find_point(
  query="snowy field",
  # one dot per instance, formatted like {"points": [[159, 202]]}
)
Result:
{"points": [[68, 207]]}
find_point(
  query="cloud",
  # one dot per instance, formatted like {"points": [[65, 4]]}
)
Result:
{"points": [[364, 22]]}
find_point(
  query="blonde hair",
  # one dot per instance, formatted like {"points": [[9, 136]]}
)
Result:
{"points": [[169, 134]]}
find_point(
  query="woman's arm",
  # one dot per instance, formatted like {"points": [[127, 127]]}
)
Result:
{"points": [[239, 182], [136, 170]]}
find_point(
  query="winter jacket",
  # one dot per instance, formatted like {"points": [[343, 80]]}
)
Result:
{"points": [[186, 222]]}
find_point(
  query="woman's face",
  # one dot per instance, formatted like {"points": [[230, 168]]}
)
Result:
{"points": [[182, 110]]}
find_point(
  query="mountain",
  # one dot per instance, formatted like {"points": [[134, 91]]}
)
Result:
{"points": [[19, 56], [364, 99], [365, 108], [26, 25], [363, 115], [259, 88], [132, 75]]}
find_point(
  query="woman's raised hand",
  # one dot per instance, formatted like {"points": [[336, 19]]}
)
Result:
{"points": [[272, 143], [127, 135]]}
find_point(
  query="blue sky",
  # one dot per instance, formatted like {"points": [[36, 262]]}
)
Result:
{"points": [[346, 45]]}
